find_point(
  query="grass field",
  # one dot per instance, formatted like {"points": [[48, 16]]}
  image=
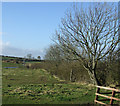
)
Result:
{"points": [[26, 86], [37, 86], [11, 65]]}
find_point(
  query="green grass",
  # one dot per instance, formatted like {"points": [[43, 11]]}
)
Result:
{"points": [[37, 86], [49, 93], [8, 58], [27, 86], [4, 64], [16, 77]]}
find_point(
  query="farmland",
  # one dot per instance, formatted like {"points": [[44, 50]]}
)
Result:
{"points": [[22, 85], [37, 86]]}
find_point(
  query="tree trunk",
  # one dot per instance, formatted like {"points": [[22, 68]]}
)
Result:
{"points": [[72, 77], [93, 72], [71, 74], [94, 78]]}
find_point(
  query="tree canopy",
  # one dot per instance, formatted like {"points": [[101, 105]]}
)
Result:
{"points": [[89, 35]]}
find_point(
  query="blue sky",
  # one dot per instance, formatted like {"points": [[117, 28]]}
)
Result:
{"points": [[27, 27]]}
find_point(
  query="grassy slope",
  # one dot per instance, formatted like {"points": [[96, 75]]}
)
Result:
{"points": [[23, 86]]}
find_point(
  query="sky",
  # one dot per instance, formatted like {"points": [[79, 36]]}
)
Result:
{"points": [[28, 27]]}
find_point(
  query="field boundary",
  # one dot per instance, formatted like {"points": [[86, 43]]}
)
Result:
{"points": [[111, 98]]}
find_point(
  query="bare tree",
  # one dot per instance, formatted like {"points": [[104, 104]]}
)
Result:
{"points": [[29, 56], [39, 58], [53, 53], [89, 34]]}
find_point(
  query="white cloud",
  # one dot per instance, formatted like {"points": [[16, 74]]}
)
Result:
{"points": [[6, 44], [0, 33], [0, 46], [1, 42], [8, 50], [3, 33]]}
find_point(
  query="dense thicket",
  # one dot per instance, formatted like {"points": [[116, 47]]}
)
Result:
{"points": [[108, 73]]}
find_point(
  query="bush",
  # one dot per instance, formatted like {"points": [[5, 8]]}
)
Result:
{"points": [[107, 73]]}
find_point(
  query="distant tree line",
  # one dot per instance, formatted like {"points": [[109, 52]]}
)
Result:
{"points": [[13, 59]]}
